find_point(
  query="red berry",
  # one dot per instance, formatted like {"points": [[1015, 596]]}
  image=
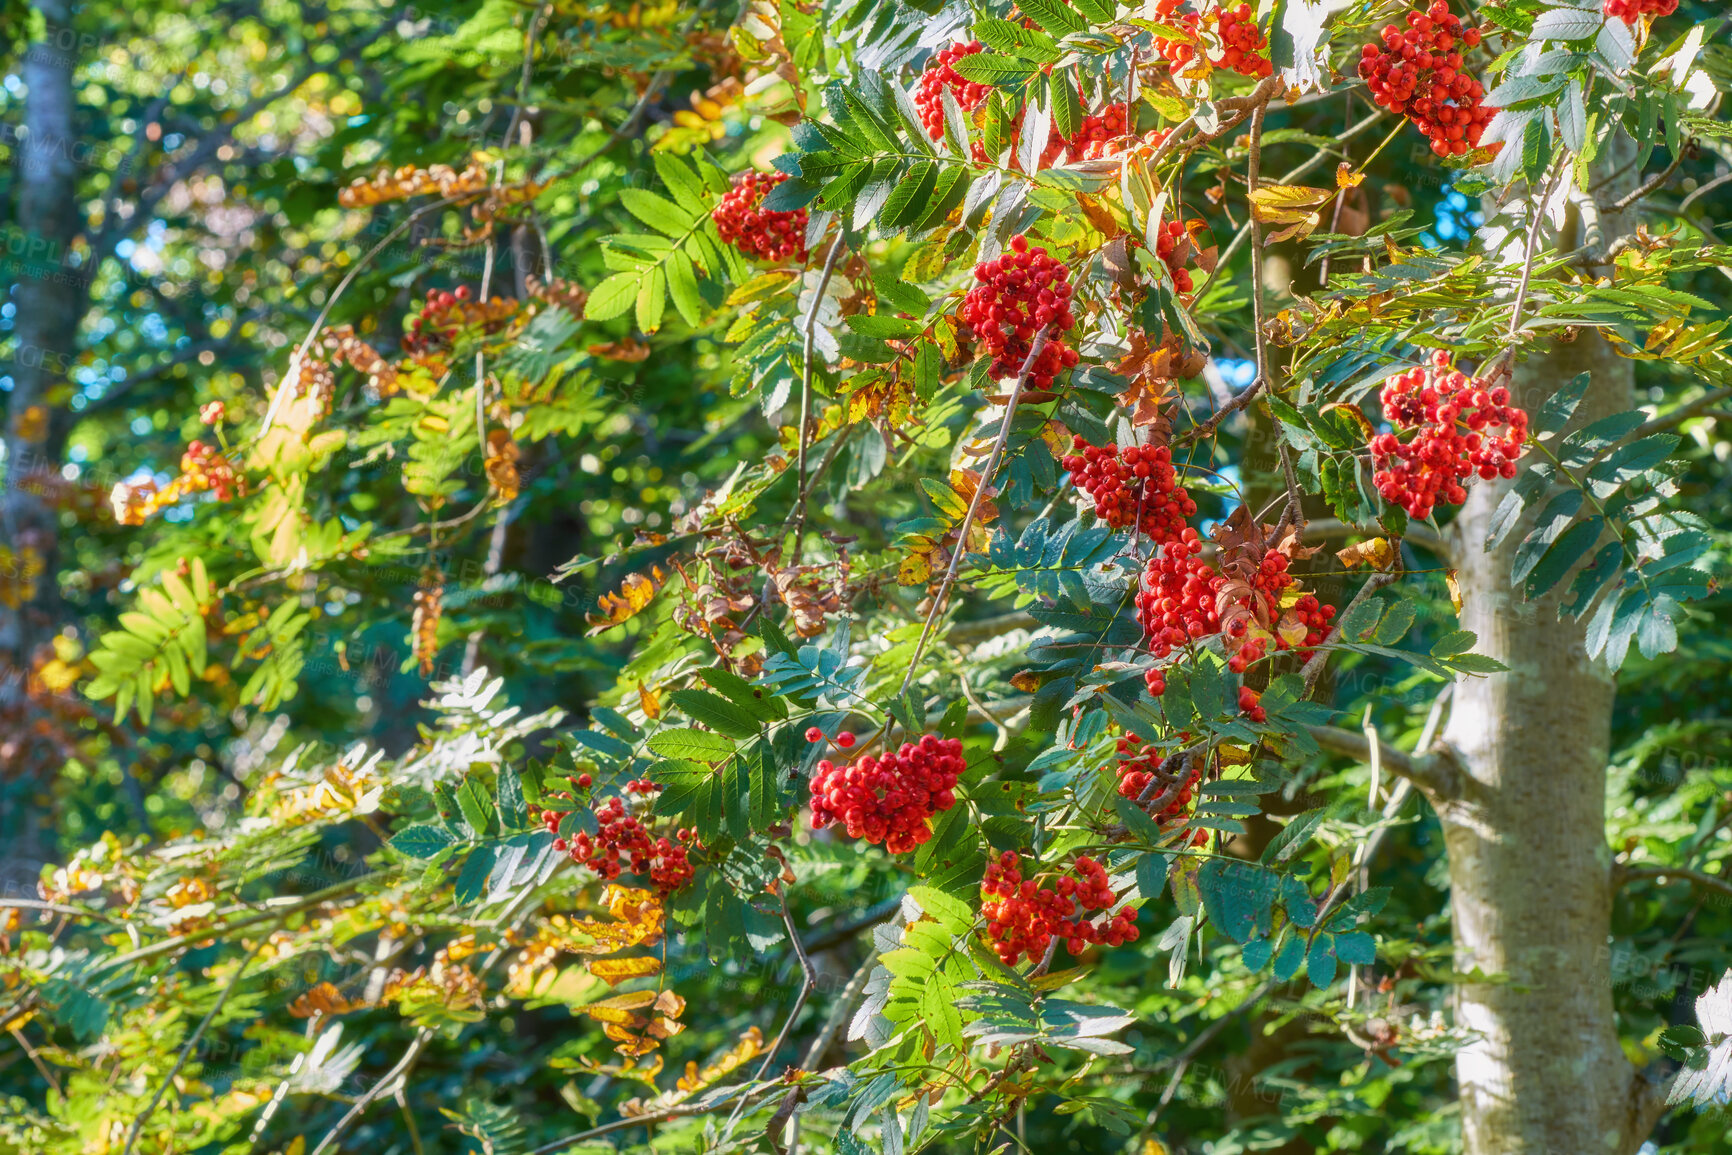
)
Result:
{"points": [[1433, 466], [583, 781], [623, 840], [1023, 917], [1136, 769], [813, 734], [890, 799], [845, 740], [757, 232], [1418, 74], [1244, 47], [1014, 296], [1135, 485], [1632, 11]]}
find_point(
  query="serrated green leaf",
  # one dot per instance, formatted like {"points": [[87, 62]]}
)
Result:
{"points": [[694, 745]]}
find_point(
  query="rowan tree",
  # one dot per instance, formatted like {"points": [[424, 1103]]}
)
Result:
{"points": [[878, 576]]}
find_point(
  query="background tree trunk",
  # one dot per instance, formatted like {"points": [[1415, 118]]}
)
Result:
{"points": [[1528, 862], [51, 295]]}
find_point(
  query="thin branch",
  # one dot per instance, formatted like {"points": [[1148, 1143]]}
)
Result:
{"points": [[1681, 414], [1534, 230], [1417, 534], [1648, 186], [1436, 773], [377, 1090], [982, 629], [809, 984], [1701, 190], [317, 898], [528, 71], [42, 1068], [986, 475], [1303, 170], [1674, 873], [806, 383], [56, 908], [1204, 1037], [342, 286], [191, 1042], [749, 1098], [1313, 669]]}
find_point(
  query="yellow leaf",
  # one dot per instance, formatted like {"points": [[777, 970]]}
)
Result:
{"points": [[1377, 553], [916, 568], [614, 971], [614, 1018], [650, 700], [1298, 230], [1282, 204], [630, 1001], [635, 592], [1454, 585], [1345, 177]]}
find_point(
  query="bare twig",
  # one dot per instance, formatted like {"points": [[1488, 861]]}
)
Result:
{"points": [[1182, 1062], [1539, 206], [839, 1014], [1648, 186], [377, 1090], [1437, 772], [804, 433], [529, 36], [986, 475], [42, 1068], [807, 986], [1674, 873], [1313, 669]]}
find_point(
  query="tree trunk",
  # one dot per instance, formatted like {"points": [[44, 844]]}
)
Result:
{"points": [[1528, 862], [51, 295]]}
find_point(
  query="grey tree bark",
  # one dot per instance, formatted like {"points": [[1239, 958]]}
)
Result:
{"points": [[50, 294], [1524, 816]]}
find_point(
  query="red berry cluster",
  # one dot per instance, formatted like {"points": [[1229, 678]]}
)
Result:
{"points": [[204, 467], [1418, 73], [1176, 248], [1246, 48], [1134, 485], [445, 311], [1137, 766], [890, 799], [1631, 11], [1023, 918], [623, 839], [1250, 704], [758, 232], [938, 76], [1176, 604], [1014, 296], [212, 412], [1177, 51], [432, 326], [1101, 134], [1184, 599], [1305, 624], [1440, 401]]}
